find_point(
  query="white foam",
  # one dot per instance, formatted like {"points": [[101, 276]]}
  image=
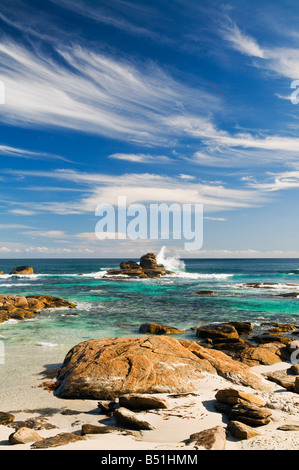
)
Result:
{"points": [[171, 263], [46, 345]]}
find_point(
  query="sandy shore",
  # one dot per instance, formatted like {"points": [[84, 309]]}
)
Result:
{"points": [[187, 414]]}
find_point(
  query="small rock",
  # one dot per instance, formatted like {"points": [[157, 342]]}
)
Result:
{"points": [[157, 329], [107, 406], [24, 436], [205, 292], [281, 377], [250, 414], [233, 396], [95, 429], [131, 420], [241, 430], [6, 418], [221, 330], [61, 439], [142, 402], [210, 439], [289, 427]]}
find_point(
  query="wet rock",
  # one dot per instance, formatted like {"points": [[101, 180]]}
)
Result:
{"points": [[19, 307], [210, 439], [217, 330], [157, 329], [270, 337], [131, 420], [205, 292]]}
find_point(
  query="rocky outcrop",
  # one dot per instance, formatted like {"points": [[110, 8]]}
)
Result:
{"points": [[18, 307], [24, 270], [147, 268], [6, 418], [108, 368], [266, 354]]}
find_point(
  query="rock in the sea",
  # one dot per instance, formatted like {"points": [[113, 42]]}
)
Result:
{"points": [[6, 418], [22, 270], [131, 420], [205, 292], [110, 367], [142, 401], [209, 439], [147, 268], [217, 330], [270, 337], [24, 435], [19, 307], [157, 329], [242, 431], [61, 439]]}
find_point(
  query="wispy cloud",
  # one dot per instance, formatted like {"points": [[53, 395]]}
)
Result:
{"points": [[143, 188], [241, 41], [90, 92], [140, 158]]}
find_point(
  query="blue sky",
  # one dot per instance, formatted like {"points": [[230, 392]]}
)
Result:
{"points": [[177, 101]]}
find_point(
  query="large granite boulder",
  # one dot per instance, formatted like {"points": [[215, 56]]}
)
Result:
{"points": [[110, 367]]}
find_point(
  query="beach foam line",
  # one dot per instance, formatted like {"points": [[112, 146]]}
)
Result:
{"points": [[187, 275]]}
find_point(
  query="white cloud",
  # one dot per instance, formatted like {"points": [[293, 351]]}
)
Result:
{"points": [[242, 42], [94, 93], [140, 158]]}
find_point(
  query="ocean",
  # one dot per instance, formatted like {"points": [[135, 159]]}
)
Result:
{"points": [[117, 307]]}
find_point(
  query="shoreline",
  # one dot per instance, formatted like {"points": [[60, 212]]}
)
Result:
{"points": [[187, 414]]}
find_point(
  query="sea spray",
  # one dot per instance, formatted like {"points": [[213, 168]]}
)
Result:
{"points": [[172, 263]]}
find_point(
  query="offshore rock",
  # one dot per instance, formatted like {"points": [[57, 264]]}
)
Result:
{"points": [[147, 268], [24, 270]]}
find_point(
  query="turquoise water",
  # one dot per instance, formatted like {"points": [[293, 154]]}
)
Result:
{"points": [[109, 308]]}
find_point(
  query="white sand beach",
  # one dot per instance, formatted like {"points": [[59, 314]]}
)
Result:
{"points": [[187, 414]]}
